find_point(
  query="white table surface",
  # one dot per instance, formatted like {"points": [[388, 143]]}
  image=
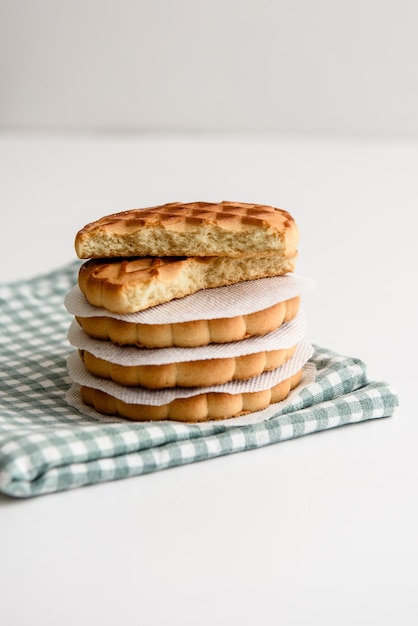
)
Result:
{"points": [[317, 531]]}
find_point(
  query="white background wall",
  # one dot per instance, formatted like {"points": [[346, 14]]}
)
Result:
{"points": [[297, 66]]}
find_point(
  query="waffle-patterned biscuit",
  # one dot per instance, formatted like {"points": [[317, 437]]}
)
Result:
{"points": [[131, 285], [188, 373], [200, 408], [193, 229], [191, 334]]}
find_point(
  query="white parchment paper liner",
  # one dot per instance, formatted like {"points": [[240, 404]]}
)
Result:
{"points": [[286, 336], [156, 397], [73, 397], [240, 299]]}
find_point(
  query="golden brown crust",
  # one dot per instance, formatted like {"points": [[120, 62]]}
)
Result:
{"points": [[188, 373], [209, 406], [131, 285], [191, 229], [191, 334]]}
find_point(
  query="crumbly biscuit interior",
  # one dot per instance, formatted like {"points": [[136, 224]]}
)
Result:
{"points": [[128, 286], [193, 229]]}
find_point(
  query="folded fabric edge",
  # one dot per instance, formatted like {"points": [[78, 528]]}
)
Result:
{"points": [[375, 400]]}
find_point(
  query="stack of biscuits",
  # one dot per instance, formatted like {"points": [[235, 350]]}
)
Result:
{"points": [[156, 323]]}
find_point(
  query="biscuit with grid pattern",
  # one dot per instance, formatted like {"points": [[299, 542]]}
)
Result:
{"points": [[131, 285], [191, 334], [202, 373], [192, 229], [200, 408]]}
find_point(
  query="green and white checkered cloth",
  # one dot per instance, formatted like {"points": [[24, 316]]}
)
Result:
{"points": [[46, 445]]}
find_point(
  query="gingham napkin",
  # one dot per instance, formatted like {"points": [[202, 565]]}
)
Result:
{"points": [[46, 445]]}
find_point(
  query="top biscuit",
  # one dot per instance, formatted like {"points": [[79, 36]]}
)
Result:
{"points": [[232, 229]]}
